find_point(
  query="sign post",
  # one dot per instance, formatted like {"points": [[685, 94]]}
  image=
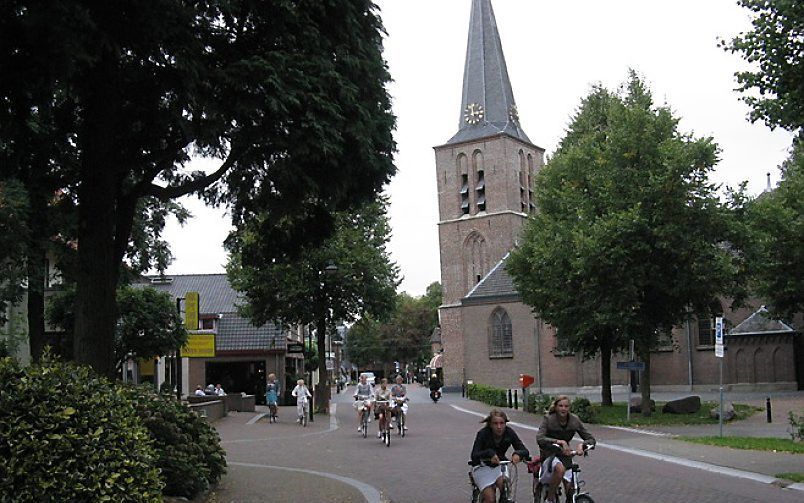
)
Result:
{"points": [[630, 366], [719, 352]]}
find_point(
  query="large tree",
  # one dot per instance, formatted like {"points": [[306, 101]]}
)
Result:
{"points": [[348, 276], [629, 233], [774, 86], [776, 223], [287, 96]]}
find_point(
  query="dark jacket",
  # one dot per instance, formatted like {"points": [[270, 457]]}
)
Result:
{"points": [[485, 447], [552, 430], [435, 384]]}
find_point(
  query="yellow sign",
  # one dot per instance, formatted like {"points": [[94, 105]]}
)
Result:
{"points": [[191, 310], [199, 346]]}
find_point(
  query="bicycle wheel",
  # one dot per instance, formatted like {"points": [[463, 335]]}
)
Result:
{"points": [[402, 424], [584, 498], [387, 436], [539, 491], [365, 423], [304, 417]]}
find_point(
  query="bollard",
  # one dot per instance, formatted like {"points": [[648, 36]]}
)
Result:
{"points": [[768, 409], [312, 404], [463, 390], [510, 399], [516, 399]]}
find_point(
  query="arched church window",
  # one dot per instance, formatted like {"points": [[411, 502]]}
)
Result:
{"points": [[474, 259], [501, 339]]}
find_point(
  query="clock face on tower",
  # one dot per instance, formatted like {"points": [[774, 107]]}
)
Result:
{"points": [[473, 113]]}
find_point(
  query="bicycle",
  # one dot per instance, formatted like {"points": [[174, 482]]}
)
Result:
{"points": [[364, 418], [578, 494], [304, 414], [510, 481], [385, 423], [399, 410]]}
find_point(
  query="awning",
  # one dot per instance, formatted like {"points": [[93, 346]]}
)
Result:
{"points": [[435, 362]]}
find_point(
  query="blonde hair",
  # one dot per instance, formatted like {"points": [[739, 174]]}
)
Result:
{"points": [[494, 413], [300, 382], [555, 403]]}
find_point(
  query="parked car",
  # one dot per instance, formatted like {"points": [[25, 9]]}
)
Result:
{"points": [[369, 377]]}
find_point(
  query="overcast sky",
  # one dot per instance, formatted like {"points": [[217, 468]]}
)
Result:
{"points": [[554, 52]]}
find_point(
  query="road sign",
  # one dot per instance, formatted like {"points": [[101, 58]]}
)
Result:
{"points": [[295, 348], [630, 365], [719, 337]]}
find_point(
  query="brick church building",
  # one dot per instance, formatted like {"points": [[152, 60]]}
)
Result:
{"points": [[485, 175]]}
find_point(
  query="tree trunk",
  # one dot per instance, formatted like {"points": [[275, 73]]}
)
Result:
{"points": [[36, 272], [644, 381], [605, 373], [98, 269], [322, 391]]}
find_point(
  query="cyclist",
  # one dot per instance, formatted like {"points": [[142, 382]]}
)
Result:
{"points": [[382, 394], [272, 393], [399, 395], [302, 395], [559, 427], [435, 387], [491, 444], [364, 391]]}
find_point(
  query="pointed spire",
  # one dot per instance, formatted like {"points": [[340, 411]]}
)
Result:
{"points": [[487, 107]]}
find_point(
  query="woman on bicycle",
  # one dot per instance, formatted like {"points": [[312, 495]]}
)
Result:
{"points": [[364, 391], [559, 427], [302, 395], [491, 444], [272, 393], [381, 410], [400, 398]]}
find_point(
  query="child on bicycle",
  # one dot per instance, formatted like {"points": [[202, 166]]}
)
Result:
{"points": [[491, 444], [302, 395], [381, 410], [558, 428], [364, 392]]}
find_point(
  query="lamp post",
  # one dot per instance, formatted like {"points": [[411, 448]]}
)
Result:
{"points": [[323, 309]]}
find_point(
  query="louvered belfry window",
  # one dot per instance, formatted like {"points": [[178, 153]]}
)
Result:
{"points": [[501, 343]]}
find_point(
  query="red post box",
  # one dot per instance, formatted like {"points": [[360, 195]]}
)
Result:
{"points": [[526, 380]]}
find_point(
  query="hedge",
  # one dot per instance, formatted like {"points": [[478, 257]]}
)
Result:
{"points": [[68, 435], [488, 394]]}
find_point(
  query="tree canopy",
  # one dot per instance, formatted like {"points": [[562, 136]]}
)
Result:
{"points": [[774, 87], [776, 223], [629, 233], [288, 97]]}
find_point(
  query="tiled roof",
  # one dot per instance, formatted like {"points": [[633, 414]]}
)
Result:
{"points": [[215, 294], [496, 284], [238, 334], [761, 323]]}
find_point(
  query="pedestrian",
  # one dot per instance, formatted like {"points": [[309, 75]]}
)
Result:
{"points": [[219, 390]]}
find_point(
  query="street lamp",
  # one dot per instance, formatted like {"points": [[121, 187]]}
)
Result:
{"points": [[321, 328]]}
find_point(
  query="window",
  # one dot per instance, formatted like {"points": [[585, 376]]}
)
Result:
{"points": [[501, 344], [464, 194], [562, 345], [481, 191], [706, 331], [207, 323]]}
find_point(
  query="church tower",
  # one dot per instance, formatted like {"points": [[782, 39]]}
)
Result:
{"points": [[484, 176]]}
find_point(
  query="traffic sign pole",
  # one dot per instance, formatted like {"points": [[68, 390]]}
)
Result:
{"points": [[719, 354]]}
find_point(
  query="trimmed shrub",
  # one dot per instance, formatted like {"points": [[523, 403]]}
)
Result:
{"points": [[67, 434], [187, 448], [538, 404], [488, 394], [583, 408]]}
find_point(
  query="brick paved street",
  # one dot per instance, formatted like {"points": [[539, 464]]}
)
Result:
{"points": [[330, 461]]}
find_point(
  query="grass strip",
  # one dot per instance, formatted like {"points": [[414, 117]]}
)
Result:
{"points": [[794, 476], [750, 443], [615, 415]]}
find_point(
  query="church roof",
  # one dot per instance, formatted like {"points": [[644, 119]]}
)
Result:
{"points": [[760, 323], [488, 107], [496, 285]]}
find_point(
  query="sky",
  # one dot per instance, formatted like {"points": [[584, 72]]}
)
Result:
{"points": [[555, 52]]}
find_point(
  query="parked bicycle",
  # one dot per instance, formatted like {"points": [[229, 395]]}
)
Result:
{"points": [[579, 495], [510, 475]]}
